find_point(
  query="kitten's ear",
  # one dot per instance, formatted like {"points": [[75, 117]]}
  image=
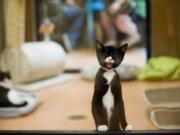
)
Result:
{"points": [[123, 48], [99, 45]]}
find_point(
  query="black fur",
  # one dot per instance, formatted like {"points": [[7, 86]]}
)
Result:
{"points": [[4, 101], [4, 75], [118, 119]]}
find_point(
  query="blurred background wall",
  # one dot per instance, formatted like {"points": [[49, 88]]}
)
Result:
{"points": [[165, 27], [14, 17], [1, 26]]}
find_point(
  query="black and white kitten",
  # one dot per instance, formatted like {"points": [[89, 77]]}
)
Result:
{"points": [[8, 97], [107, 103]]}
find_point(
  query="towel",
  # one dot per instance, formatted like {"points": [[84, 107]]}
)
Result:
{"points": [[161, 68]]}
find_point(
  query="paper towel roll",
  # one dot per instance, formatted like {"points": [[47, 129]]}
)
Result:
{"points": [[35, 60]]}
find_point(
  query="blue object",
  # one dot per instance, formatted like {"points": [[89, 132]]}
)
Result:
{"points": [[91, 6], [97, 5], [74, 31]]}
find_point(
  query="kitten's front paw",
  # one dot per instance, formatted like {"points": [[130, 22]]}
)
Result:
{"points": [[102, 128], [129, 128]]}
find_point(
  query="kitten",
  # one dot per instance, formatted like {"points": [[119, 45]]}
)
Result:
{"points": [[107, 103], [8, 96]]}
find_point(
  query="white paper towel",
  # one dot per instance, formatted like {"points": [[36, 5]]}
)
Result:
{"points": [[34, 61]]}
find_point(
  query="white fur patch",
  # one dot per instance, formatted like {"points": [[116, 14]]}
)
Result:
{"points": [[108, 102], [109, 60], [102, 128], [108, 99], [109, 75], [14, 97], [129, 128]]}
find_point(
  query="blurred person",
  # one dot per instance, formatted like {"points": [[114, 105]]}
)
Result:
{"points": [[127, 31], [68, 18], [73, 15], [96, 9], [138, 16], [102, 29]]}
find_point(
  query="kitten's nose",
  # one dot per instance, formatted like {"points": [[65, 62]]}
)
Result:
{"points": [[109, 60]]}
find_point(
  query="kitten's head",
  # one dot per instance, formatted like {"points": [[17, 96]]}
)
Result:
{"points": [[110, 57]]}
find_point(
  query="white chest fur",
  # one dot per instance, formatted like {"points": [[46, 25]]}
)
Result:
{"points": [[109, 76], [108, 98]]}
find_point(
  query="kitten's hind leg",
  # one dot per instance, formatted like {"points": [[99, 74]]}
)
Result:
{"points": [[123, 121], [124, 124], [115, 121], [100, 117]]}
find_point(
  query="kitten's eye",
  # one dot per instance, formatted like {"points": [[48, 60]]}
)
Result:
{"points": [[118, 60], [101, 58], [115, 57]]}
